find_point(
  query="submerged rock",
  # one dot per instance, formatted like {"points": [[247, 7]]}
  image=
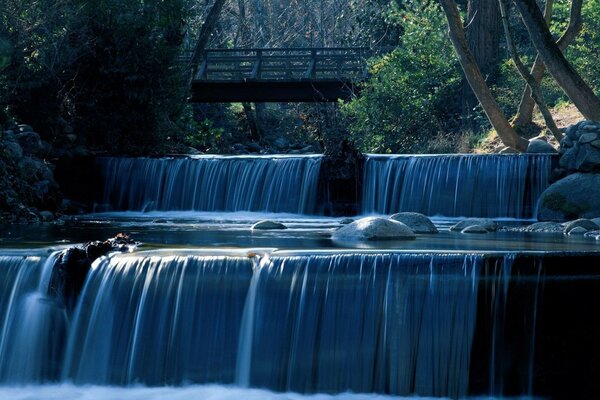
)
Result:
{"points": [[268, 225], [418, 223], [545, 227], [346, 221], [475, 229], [576, 196], [488, 224], [374, 228]]}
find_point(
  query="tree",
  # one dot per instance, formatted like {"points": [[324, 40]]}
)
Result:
{"points": [[524, 114], [561, 70], [476, 80], [483, 36], [533, 85]]}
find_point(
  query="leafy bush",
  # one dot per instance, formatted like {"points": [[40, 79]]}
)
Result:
{"points": [[412, 94]]}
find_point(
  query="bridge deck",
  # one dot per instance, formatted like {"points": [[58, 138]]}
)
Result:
{"points": [[279, 75]]}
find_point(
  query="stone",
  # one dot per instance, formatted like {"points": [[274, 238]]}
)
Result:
{"points": [[30, 142], [584, 223], [281, 143], [46, 216], [71, 137], [539, 146], [374, 228], [239, 147], [24, 128], [580, 149], [474, 229], [545, 227], [573, 197], [592, 234], [268, 225], [13, 150], [486, 223], [346, 221], [577, 231], [596, 221], [254, 147], [418, 223]]}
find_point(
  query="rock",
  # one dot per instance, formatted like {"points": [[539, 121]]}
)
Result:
{"points": [[374, 228], [545, 227], [281, 143], [486, 223], [13, 150], [418, 223], [596, 221], [573, 197], [593, 235], [193, 151], [46, 216], [268, 225], [254, 147], [239, 147], [539, 146], [475, 229], [24, 128], [580, 149], [508, 150], [586, 224], [577, 231], [346, 221], [30, 142]]}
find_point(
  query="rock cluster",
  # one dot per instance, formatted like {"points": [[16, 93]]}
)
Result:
{"points": [[580, 148], [28, 190], [475, 225]]}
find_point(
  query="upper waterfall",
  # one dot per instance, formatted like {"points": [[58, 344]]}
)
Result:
{"points": [[286, 184], [469, 185]]}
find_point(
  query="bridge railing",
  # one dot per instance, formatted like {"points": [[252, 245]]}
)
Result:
{"points": [[284, 64]]}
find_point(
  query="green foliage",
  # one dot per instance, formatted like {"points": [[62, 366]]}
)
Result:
{"points": [[411, 96], [585, 51]]}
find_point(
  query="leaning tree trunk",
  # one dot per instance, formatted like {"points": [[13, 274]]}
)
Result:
{"points": [[536, 93], [567, 78], [483, 36], [524, 114], [497, 118]]}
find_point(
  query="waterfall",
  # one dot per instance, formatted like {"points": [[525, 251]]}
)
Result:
{"points": [[492, 186], [282, 184], [32, 326]]}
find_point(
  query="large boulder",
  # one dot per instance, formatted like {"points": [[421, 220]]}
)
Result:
{"points": [[418, 223], [374, 228], [573, 197], [580, 148]]}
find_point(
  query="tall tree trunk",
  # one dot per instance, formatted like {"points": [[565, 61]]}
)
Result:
{"points": [[524, 114], [536, 93], [483, 36], [207, 28], [497, 118], [567, 78]]}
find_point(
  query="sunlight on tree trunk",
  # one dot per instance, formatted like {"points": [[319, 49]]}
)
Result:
{"points": [[497, 118]]}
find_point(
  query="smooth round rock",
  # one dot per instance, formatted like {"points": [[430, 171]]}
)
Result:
{"points": [[545, 227], [593, 235], [576, 196], [418, 223], [577, 231], [486, 223], [346, 221], [374, 228], [539, 146], [586, 224], [268, 225], [474, 229]]}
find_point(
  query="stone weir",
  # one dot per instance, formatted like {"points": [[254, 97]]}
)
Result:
{"points": [[495, 186], [441, 325]]}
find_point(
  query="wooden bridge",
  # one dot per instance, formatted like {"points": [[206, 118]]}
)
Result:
{"points": [[279, 75]]}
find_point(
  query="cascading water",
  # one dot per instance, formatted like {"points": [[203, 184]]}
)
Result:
{"points": [[282, 184], [495, 186], [32, 325]]}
